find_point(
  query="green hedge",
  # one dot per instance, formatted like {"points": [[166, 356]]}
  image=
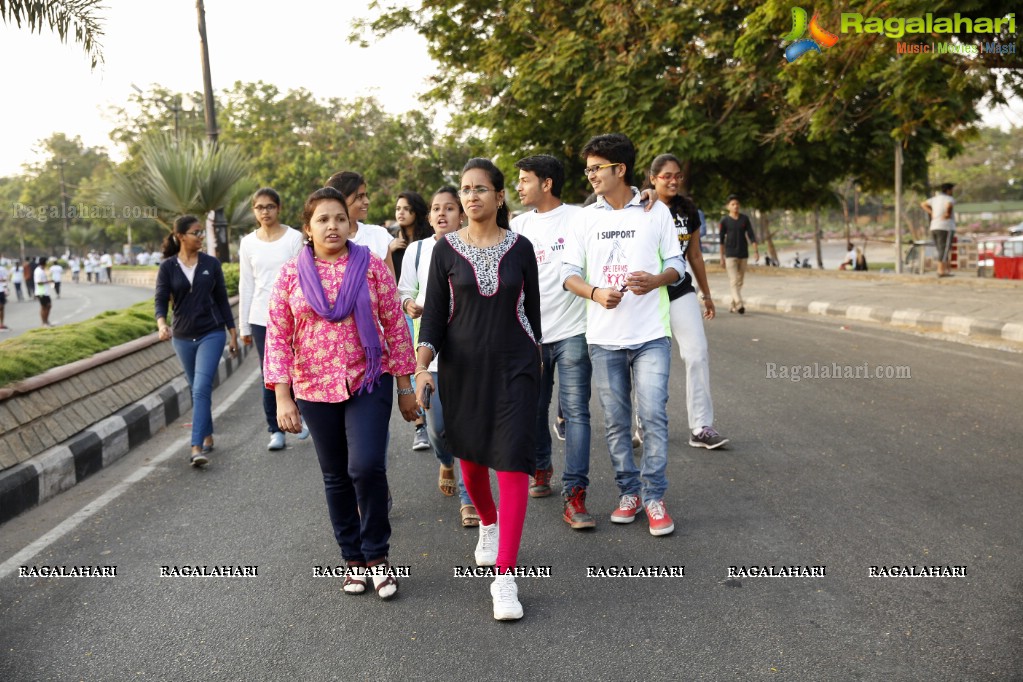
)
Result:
{"points": [[39, 350]]}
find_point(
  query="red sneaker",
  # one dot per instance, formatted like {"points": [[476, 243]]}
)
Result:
{"points": [[660, 521], [628, 507], [575, 510], [540, 485]]}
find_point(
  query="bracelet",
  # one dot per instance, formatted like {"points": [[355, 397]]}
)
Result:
{"points": [[593, 291], [422, 371], [406, 391]]}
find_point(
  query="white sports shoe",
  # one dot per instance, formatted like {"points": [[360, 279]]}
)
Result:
{"points": [[486, 547], [506, 598]]}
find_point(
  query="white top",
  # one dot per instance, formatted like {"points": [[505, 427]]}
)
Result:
{"points": [[189, 270], [375, 237], [76, 265], [562, 313], [42, 286], [56, 273], [17, 274], [939, 204], [412, 284], [106, 260], [258, 265], [3, 278], [607, 245]]}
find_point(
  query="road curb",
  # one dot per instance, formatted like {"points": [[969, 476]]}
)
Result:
{"points": [[909, 317], [65, 465]]}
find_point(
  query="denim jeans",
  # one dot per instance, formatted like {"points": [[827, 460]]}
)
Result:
{"points": [[572, 361], [269, 397], [438, 439], [614, 372], [351, 446], [200, 358]]}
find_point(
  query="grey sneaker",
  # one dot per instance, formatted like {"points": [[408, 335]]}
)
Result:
{"points": [[707, 438], [276, 441], [420, 441], [559, 428]]}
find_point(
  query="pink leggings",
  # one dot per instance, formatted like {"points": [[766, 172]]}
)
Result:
{"points": [[513, 487]]}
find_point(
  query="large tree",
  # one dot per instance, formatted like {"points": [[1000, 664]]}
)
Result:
{"points": [[705, 80]]}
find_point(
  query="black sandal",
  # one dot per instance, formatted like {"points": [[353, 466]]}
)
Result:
{"points": [[384, 582]]}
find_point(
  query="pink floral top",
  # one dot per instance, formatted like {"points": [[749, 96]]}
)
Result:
{"points": [[324, 361]]}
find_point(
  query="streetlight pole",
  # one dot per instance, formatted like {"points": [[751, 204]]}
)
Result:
{"points": [[63, 203], [219, 221]]}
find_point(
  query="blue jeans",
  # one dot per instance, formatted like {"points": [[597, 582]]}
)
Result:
{"points": [[269, 397], [351, 445], [438, 439], [614, 372], [200, 358], [570, 358]]}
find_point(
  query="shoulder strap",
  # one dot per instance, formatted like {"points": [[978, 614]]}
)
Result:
{"points": [[419, 250]]}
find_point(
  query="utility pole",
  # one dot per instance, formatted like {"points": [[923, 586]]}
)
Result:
{"points": [[63, 203], [898, 207], [219, 221]]}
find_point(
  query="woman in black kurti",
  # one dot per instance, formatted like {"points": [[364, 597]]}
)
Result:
{"points": [[482, 315]]}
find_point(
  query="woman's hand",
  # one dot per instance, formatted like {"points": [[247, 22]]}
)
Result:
{"points": [[412, 310], [409, 408], [423, 379], [397, 244], [165, 332], [247, 340], [288, 418]]}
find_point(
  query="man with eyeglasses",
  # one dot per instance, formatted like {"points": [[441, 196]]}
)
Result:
{"points": [[563, 346], [620, 257]]}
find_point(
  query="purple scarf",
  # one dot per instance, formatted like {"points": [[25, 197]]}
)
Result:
{"points": [[353, 298]]}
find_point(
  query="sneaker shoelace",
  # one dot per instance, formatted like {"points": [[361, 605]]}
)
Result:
{"points": [[489, 536], [655, 510], [708, 432], [506, 590], [628, 502]]}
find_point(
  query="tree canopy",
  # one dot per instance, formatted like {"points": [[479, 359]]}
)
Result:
{"points": [[75, 18]]}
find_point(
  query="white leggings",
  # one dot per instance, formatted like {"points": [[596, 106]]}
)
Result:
{"points": [[687, 328]]}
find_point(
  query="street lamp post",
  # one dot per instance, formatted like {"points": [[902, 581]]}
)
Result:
{"points": [[219, 220], [63, 203]]}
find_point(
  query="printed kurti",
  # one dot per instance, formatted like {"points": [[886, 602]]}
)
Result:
{"points": [[324, 361]]}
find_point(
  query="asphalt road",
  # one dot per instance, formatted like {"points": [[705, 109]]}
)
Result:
{"points": [[841, 473], [78, 302]]}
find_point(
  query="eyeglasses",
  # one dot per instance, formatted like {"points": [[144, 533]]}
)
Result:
{"points": [[198, 234], [264, 209], [467, 192], [590, 170], [668, 177]]}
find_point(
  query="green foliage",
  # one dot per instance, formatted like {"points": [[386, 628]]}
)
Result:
{"points": [[231, 274], [66, 17], [39, 350], [989, 168]]}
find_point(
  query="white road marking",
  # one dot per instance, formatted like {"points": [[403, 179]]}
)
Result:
{"points": [[173, 450]]}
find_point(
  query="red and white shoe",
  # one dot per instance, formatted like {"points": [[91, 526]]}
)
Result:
{"points": [[628, 507]]}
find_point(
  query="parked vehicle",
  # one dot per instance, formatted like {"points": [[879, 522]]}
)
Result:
{"points": [[1009, 264]]}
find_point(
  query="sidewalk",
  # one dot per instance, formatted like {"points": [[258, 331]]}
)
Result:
{"points": [[987, 309]]}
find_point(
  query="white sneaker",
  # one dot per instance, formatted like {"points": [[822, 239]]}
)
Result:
{"points": [[506, 598], [305, 431], [486, 547], [276, 441]]}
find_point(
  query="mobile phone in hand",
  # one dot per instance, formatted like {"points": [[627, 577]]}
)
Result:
{"points": [[427, 394], [625, 287]]}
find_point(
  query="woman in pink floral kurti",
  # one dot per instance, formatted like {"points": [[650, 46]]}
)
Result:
{"points": [[327, 310]]}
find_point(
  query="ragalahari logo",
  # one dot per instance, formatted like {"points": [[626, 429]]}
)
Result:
{"points": [[819, 38]]}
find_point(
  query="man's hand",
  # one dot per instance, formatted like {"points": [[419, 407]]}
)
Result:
{"points": [[607, 298]]}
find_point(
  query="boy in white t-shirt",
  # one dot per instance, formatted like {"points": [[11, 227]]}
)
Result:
{"points": [[620, 258], [563, 346]]}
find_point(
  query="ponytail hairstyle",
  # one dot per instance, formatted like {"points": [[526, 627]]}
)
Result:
{"points": [[172, 242], [497, 178]]}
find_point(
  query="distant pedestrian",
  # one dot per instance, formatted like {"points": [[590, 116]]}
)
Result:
{"points": [[735, 230], [89, 265], [861, 260], [194, 282], [42, 289], [107, 263], [76, 267], [17, 279], [850, 257], [4, 276], [337, 338], [29, 272], [941, 209], [56, 276], [260, 257]]}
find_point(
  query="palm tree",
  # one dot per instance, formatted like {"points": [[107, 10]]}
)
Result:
{"points": [[66, 17], [178, 177]]}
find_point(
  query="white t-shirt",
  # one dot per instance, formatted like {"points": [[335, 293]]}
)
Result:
{"points": [[259, 262], [3, 278], [56, 273], [562, 313], [412, 284], [609, 244], [939, 204], [39, 277], [106, 260], [375, 237]]}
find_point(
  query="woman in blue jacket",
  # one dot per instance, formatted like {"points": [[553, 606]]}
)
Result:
{"points": [[194, 281]]}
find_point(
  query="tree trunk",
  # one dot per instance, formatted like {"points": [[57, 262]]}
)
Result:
{"points": [[817, 236]]}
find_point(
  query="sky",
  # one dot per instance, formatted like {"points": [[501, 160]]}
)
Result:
{"points": [[50, 87]]}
